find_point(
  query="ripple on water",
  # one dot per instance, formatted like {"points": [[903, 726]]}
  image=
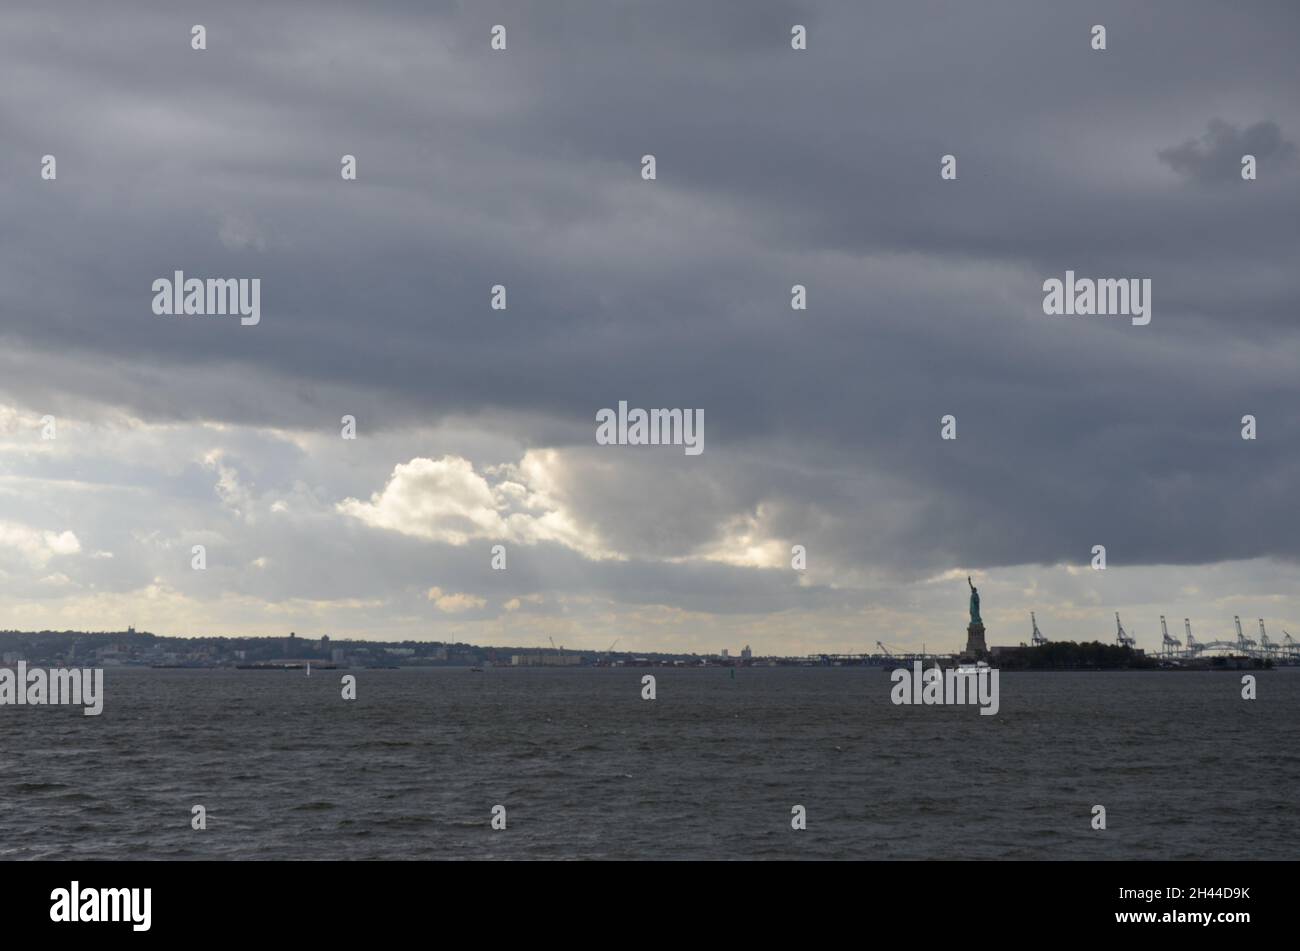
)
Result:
{"points": [[710, 770]]}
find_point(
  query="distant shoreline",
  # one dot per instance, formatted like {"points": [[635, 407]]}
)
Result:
{"points": [[133, 648]]}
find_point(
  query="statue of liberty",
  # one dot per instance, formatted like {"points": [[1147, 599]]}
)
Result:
{"points": [[974, 602]]}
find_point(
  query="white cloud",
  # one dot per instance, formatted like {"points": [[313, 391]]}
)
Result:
{"points": [[455, 603], [445, 500], [746, 542], [439, 499], [64, 543], [36, 546], [233, 494]]}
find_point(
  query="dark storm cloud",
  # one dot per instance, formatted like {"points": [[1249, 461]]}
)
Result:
{"points": [[775, 167], [1216, 156]]}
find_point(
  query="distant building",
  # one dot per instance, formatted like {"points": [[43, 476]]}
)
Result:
{"points": [[746, 654], [545, 659], [725, 653]]}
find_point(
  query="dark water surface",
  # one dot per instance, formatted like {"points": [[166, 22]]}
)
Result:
{"points": [[587, 769]]}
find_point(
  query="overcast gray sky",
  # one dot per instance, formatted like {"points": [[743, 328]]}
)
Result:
{"points": [[775, 167]]}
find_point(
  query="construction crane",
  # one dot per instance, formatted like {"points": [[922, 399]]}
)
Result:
{"points": [[1168, 645], [1038, 640], [1121, 636], [610, 648], [559, 651], [1288, 642], [887, 651], [1192, 646]]}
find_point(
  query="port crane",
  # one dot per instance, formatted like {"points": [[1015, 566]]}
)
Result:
{"points": [[1243, 642], [893, 654], [1265, 644], [902, 656], [1037, 640], [1265, 647], [1285, 652], [1168, 645], [1122, 636]]}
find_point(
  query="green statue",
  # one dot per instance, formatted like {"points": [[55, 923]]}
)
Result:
{"points": [[974, 603]]}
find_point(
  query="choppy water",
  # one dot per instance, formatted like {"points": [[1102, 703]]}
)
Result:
{"points": [[710, 769]]}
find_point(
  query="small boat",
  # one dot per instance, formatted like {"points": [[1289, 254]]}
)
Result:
{"points": [[476, 670], [975, 668]]}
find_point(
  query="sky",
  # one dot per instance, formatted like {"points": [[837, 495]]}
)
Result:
{"points": [[522, 167]]}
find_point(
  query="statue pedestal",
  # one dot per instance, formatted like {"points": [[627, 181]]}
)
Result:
{"points": [[976, 649]]}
